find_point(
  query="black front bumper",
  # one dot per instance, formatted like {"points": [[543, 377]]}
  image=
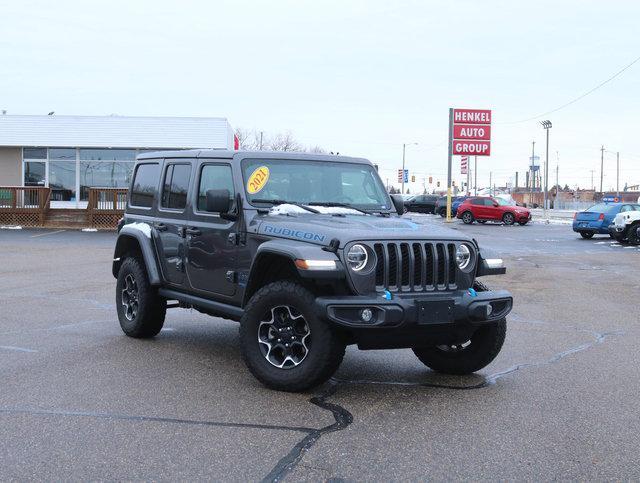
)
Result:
{"points": [[415, 319]]}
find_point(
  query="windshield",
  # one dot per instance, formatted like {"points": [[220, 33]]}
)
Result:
{"points": [[314, 182], [503, 202]]}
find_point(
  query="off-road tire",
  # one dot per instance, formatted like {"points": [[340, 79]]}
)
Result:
{"points": [[485, 345], [632, 234], [467, 218], [151, 308], [586, 235], [508, 218], [442, 212], [326, 348]]}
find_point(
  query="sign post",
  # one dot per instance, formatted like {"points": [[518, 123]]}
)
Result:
{"points": [[469, 134]]}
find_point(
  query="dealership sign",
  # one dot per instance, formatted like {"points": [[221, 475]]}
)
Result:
{"points": [[471, 132], [464, 164]]}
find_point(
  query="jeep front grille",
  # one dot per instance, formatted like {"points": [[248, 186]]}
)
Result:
{"points": [[416, 266]]}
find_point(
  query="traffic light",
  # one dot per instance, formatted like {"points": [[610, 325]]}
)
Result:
{"points": [[453, 183], [438, 184], [413, 178]]}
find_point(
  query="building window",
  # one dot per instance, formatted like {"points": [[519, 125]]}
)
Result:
{"points": [[34, 153], [63, 154], [35, 173], [145, 184], [108, 154], [62, 180], [103, 174]]}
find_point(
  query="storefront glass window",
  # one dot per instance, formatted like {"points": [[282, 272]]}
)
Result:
{"points": [[68, 154], [103, 174], [62, 180], [34, 153], [34, 173], [108, 154]]}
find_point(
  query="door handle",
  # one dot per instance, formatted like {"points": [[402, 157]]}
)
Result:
{"points": [[160, 227], [193, 231]]}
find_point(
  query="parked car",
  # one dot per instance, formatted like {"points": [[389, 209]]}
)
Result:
{"points": [[441, 205], [421, 203], [485, 208], [310, 254], [626, 225], [596, 219]]}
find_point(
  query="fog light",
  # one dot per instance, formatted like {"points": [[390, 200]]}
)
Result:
{"points": [[489, 310], [366, 315]]}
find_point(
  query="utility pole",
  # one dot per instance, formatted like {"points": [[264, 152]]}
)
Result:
{"points": [[533, 173], [468, 176], [490, 183], [618, 174], [260, 140], [592, 185], [475, 182], [555, 203], [601, 166]]}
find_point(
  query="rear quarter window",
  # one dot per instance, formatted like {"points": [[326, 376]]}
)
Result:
{"points": [[145, 183]]}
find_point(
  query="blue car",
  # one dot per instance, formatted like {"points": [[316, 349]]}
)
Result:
{"points": [[596, 220], [441, 205]]}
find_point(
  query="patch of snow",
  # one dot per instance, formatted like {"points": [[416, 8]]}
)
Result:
{"points": [[89, 229], [10, 227], [143, 227], [601, 243], [286, 209]]}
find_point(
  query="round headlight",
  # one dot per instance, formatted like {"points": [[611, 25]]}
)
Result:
{"points": [[357, 257], [463, 256]]}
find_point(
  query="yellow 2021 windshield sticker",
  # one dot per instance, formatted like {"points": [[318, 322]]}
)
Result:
{"points": [[257, 180]]}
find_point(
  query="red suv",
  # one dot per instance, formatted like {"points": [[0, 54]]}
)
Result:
{"points": [[482, 209]]}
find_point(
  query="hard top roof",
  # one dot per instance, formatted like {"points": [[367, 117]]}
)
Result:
{"points": [[229, 154]]}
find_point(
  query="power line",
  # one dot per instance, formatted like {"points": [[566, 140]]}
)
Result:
{"points": [[582, 96]]}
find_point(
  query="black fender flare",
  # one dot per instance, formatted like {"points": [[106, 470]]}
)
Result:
{"points": [[139, 235], [293, 250]]}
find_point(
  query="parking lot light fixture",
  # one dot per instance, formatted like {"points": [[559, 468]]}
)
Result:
{"points": [[546, 125]]}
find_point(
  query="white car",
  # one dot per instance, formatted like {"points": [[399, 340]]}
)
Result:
{"points": [[626, 226]]}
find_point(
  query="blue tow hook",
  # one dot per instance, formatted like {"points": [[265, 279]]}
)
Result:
{"points": [[473, 293], [387, 295]]}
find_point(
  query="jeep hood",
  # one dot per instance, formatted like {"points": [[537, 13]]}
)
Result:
{"points": [[322, 228]]}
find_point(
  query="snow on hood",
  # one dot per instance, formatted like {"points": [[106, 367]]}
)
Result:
{"points": [[286, 209]]}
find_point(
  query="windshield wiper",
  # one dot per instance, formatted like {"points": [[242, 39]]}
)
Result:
{"points": [[285, 202], [335, 204]]}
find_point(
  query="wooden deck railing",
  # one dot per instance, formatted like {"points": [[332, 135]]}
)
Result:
{"points": [[106, 206], [26, 205]]}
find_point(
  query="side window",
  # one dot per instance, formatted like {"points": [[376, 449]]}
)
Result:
{"points": [[144, 185], [627, 208], [175, 186], [488, 202], [477, 201], [214, 177]]}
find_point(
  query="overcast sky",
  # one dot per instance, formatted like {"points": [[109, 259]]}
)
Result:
{"points": [[356, 77]]}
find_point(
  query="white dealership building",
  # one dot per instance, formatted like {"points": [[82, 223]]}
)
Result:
{"points": [[70, 154]]}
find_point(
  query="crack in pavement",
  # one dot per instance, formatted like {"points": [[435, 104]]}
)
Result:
{"points": [[153, 419], [344, 418]]}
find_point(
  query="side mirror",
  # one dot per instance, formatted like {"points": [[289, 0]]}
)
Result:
{"points": [[398, 203], [496, 204], [218, 201]]}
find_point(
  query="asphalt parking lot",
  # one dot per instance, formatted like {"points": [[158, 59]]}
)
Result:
{"points": [[81, 401]]}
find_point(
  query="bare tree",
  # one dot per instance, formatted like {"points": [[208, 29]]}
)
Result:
{"points": [[317, 150], [248, 140], [285, 142]]}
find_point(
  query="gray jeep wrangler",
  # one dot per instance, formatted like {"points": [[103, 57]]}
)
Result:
{"points": [[309, 253]]}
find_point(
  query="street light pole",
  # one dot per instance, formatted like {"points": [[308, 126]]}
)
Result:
{"points": [[404, 147], [618, 174], [546, 125], [475, 181], [601, 166]]}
